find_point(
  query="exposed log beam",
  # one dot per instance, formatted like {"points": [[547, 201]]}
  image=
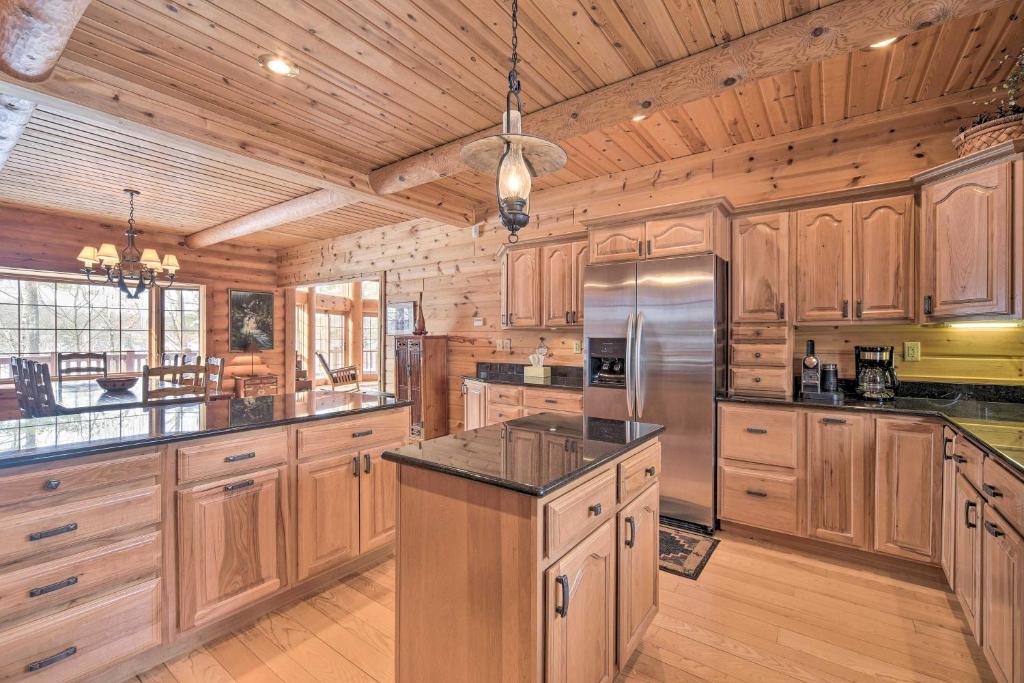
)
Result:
{"points": [[833, 30], [34, 33], [14, 116], [272, 216]]}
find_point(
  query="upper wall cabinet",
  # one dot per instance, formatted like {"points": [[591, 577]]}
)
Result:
{"points": [[760, 268], [521, 300], [969, 230], [617, 243], [694, 229], [542, 286], [854, 261]]}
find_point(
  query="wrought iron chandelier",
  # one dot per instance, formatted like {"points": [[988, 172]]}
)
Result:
{"points": [[132, 270], [514, 157]]}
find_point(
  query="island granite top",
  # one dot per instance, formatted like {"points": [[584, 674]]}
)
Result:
{"points": [[42, 439], [995, 426], [533, 455]]}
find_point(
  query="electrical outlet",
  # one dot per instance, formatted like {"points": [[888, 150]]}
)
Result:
{"points": [[497, 344], [506, 345], [577, 346], [478, 322], [911, 351], [476, 231]]}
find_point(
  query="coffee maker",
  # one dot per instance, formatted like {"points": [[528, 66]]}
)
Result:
{"points": [[876, 376]]}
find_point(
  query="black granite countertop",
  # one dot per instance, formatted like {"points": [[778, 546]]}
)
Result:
{"points": [[534, 455], [994, 426], [567, 383], [33, 440]]}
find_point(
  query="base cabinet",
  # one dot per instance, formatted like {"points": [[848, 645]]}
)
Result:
{"points": [[474, 404], [638, 570], [1002, 601], [328, 512], [966, 548], [378, 483], [230, 538], [580, 612], [837, 461]]}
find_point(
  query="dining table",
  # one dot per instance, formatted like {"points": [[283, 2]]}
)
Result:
{"points": [[85, 396]]}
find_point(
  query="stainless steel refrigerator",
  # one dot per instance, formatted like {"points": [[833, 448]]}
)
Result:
{"points": [[655, 351]]}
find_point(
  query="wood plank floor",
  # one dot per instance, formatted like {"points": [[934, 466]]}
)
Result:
{"points": [[759, 613]]}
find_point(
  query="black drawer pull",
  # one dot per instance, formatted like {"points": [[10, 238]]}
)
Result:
{"points": [[366, 463], [994, 530], [563, 581], [946, 443], [40, 535], [239, 485], [757, 494], [631, 536], [756, 430], [959, 459], [36, 592], [241, 456], [596, 509], [357, 435], [968, 505], [832, 421], [52, 659], [651, 471], [550, 400], [52, 484], [991, 490]]}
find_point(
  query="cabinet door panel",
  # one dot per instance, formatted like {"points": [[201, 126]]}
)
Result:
{"points": [[228, 543], [965, 262], [557, 269], [580, 631], [950, 518], [618, 243], [475, 407], [378, 500], [836, 477], [824, 276], [638, 570], [523, 288], [1002, 601], [967, 551], [678, 236], [883, 272], [580, 259], [328, 512], [760, 267], [908, 488]]}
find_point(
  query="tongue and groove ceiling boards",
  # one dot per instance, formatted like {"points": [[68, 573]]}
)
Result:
{"points": [[381, 81]]}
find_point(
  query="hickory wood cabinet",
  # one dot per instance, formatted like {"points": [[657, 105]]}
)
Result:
{"points": [[542, 283], [504, 402], [838, 459], [760, 267], [474, 404]]}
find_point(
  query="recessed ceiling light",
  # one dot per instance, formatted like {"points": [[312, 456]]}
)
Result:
{"points": [[884, 43], [277, 65], [640, 117]]}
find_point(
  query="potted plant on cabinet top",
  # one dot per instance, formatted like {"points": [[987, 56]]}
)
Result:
{"points": [[1002, 125]]}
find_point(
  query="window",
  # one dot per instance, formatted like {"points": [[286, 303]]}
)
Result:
{"points": [[182, 332], [39, 318], [371, 290], [371, 343], [302, 335], [330, 340]]}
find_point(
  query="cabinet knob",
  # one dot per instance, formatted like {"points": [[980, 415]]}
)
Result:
{"points": [[757, 380], [651, 471], [757, 354], [596, 509], [52, 484]]}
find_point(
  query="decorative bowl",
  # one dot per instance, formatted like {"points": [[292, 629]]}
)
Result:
{"points": [[116, 382]]}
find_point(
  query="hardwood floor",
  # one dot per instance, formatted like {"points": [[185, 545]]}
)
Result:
{"points": [[759, 613]]}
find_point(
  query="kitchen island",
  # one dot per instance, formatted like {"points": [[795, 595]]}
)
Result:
{"points": [[527, 550], [129, 536]]}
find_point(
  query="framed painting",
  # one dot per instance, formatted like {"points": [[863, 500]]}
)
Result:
{"points": [[250, 320], [401, 318]]}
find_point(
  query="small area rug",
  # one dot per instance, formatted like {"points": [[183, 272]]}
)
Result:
{"points": [[684, 552]]}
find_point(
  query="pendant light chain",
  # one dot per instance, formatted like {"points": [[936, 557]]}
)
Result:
{"points": [[514, 85], [131, 210]]}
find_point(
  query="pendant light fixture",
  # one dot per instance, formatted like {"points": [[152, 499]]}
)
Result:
{"points": [[133, 271], [515, 158]]}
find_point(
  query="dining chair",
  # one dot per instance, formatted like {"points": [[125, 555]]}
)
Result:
{"points": [[189, 359], [19, 373], [345, 378], [214, 374], [169, 388], [40, 390], [69, 364]]}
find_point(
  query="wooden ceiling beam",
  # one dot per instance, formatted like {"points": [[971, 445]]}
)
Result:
{"points": [[34, 33], [833, 30], [14, 116], [292, 210]]}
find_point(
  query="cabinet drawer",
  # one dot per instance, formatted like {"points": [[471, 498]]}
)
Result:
{"points": [[355, 433], [567, 401], [63, 525], [759, 498], [754, 334], [225, 458], [570, 517], [639, 471], [55, 481], [760, 354], [765, 381], [61, 581], [762, 435], [1004, 492], [969, 460], [508, 396], [82, 640], [502, 413]]}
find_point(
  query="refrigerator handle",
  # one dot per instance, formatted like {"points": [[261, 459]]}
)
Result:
{"points": [[629, 366], [637, 375]]}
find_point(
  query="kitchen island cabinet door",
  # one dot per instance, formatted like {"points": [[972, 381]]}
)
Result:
{"points": [[378, 504], [1002, 601], [580, 611], [638, 570], [760, 268], [908, 488], [230, 542], [328, 512], [837, 477]]}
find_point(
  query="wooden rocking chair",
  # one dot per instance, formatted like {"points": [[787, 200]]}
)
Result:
{"points": [[344, 379]]}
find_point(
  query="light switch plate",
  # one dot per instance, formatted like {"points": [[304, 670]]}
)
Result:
{"points": [[497, 344], [577, 346], [911, 351], [506, 345]]}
